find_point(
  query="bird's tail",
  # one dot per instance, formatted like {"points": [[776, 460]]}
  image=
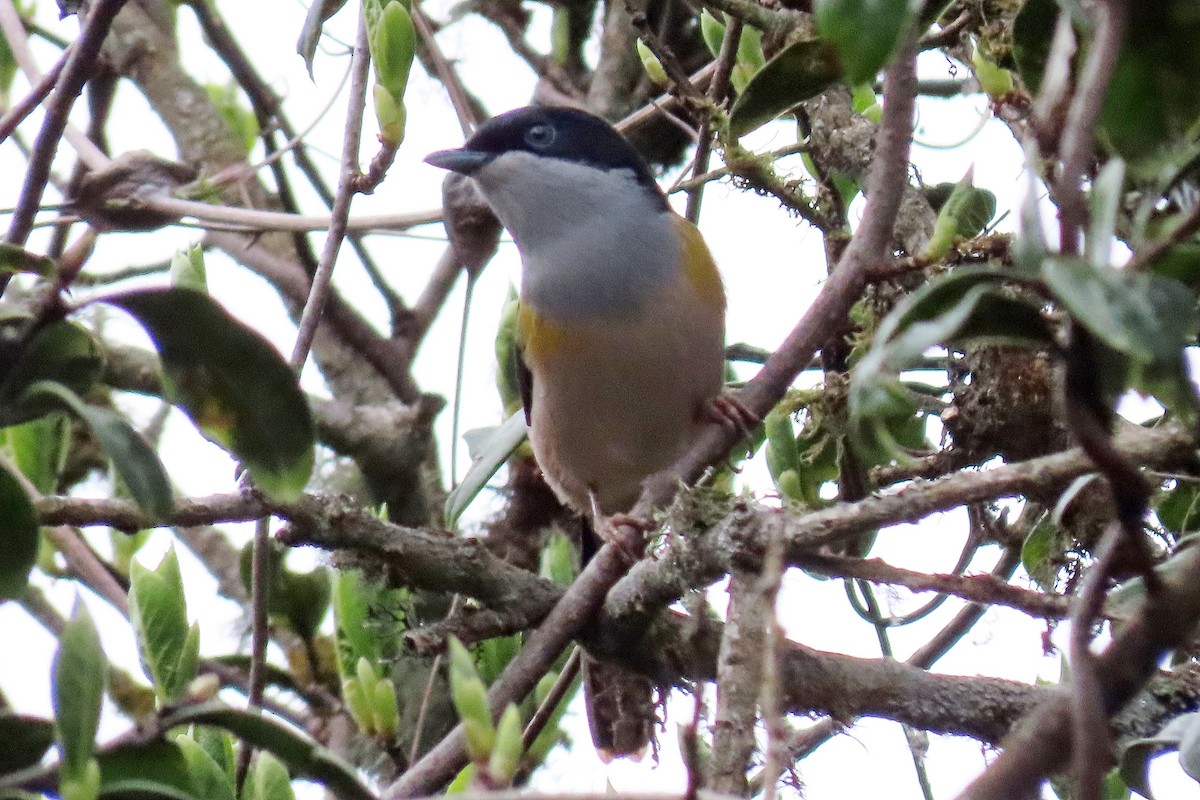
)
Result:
{"points": [[620, 709]]}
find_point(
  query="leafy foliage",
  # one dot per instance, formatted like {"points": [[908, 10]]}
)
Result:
{"points": [[169, 647], [78, 679], [231, 382], [19, 529], [796, 73]]}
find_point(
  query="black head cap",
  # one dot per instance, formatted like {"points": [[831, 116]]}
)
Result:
{"points": [[550, 132]]}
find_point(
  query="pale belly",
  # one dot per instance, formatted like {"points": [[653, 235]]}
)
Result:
{"points": [[616, 403]]}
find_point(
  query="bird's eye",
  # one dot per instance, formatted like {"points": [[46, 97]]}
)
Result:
{"points": [[539, 136]]}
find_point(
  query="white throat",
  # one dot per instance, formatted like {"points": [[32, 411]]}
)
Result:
{"points": [[593, 242]]}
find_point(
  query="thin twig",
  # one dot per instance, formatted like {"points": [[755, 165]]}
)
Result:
{"points": [[1042, 742], [255, 220], [717, 89], [1146, 255], [975, 588], [18, 42], [558, 691], [433, 297], [720, 172], [543, 66], [260, 632], [306, 332], [771, 692], [79, 66], [875, 614], [771, 21], [322, 281], [268, 108], [464, 108], [946, 35], [739, 676], [1091, 744], [681, 82], [37, 93], [1083, 114]]}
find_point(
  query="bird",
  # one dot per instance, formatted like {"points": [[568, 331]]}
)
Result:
{"points": [[620, 328]]}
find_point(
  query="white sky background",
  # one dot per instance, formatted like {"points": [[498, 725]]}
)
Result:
{"points": [[772, 265]]}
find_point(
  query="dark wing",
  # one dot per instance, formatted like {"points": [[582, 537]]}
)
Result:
{"points": [[524, 382]]}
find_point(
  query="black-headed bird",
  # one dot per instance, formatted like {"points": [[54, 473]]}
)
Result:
{"points": [[620, 331]]}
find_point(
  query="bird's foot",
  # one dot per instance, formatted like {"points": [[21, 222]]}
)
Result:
{"points": [[729, 412], [625, 532]]}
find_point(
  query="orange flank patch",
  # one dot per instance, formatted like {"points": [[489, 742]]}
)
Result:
{"points": [[537, 336], [699, 266]]}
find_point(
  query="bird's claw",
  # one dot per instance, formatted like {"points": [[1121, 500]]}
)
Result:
{"points": [[728, 411]]}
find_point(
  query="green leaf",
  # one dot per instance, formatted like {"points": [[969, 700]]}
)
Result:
{"points": [[1106, 196], [269, 780], [1134, 762], [801, 70], [393, 42], [1153, 101], [506, 354], [1179, 509], [187, 266], [303, 756], [350, 612], [493, 453], [463, 781], [38, 448], [712, 30], [81, 784], [865, 32], [242, 123], [1146, 317], [218, 745], [14, 259], [650, 64], [8, 71], [996, 81], [209, 779], [310, 34], [232, 383], [493, 655], [506, 754], [19, 532], [558, 559], [1182, 263], [1033, 30], [782, 452], [963, 306], [300, 600], [965, 212], [1114, 786], [305, 600], [77, 675], [62, 352], [168, 646], [135, 460], [818, 460], [470, 700], [23, 741], [156, 770], [1039, 553]]}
